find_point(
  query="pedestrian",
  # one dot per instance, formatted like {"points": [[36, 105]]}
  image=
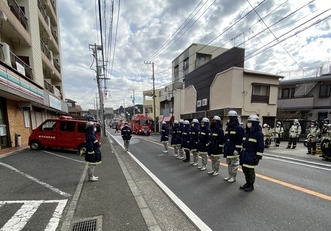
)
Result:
{"points": [[295, 131], [175, 129], [312, 137], [202, 145], [93, 153], [195, 129], [179, 140], [216, 143], [253, 147], [126, 135], [116, 128], [185, 141], [232, 145], [278, 133], [164, 136]]}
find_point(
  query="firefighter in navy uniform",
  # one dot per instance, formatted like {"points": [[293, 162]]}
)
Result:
{"points": [[195, 129], [126, 135], [175, 128], [165, 136], [186, 140], [253, 147], [202, 146], [216, 142], [295, 131], [179, 140], [233, 144], [313, 133]]}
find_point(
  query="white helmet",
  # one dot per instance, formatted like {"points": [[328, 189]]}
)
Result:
{"points": [[163, 122], [181, 121], [217, 118], [265, 125], [186, 122], [279, 123], [205, 120], [253, 117], [195, 121], [89, 124], [232, 113], [176, 122]]}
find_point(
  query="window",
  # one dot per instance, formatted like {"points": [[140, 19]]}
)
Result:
{"points": [[324, 91], [260, 94], [49, 125], [176, 71], [81, 127], [67, 126], [292, 92], [285, 93], [185, 64]]}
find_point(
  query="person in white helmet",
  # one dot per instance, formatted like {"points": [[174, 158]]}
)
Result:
{"points": [[253, 147], [295, 131], [179, 140], [216, 143], [165, 136], [195, 129], [278, 133], [203, 141], [233, 145], [175, 129], [93, 153], [126, 135], [186, 136]]}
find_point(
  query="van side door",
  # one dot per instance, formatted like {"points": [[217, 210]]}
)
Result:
{"points": [[47, 133], [66, 135]]}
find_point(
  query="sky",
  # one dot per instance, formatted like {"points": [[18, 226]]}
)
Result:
{"points": [[286, 37]]}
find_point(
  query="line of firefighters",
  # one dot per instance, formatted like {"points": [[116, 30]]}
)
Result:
{"points": [[238, 145], [315, 135]]}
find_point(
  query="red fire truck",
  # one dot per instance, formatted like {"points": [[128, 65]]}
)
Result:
{"points": [[141, 124]]}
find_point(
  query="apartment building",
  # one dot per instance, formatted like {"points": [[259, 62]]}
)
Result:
{"points": [[31, 82], [193, 57]]}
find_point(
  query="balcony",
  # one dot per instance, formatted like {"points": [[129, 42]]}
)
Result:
{"points": [[56, 65], [48, 87], [53, 5], [42, 11], [54, 34], [21, 66], [45, 50], [19, 14], [296, 103]]}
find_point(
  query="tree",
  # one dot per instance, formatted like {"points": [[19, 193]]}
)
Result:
{"points": [[287, 115]]}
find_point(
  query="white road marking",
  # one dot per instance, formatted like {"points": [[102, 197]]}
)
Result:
{"points": [[37, 181], [23, 215], [54, 154]]}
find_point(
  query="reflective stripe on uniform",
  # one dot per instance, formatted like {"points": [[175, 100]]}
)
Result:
{"points": [[90, 152], [252, 140], [259, 153], [202, 133], [216, 155], [215, 134], [232, 156], [96, 141], [249, 166], [203, 153], [221, 145], [238, 146], [232, 132]]}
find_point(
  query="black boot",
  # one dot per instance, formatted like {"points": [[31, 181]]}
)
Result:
{"points": [[244, 186], [249, 188]]}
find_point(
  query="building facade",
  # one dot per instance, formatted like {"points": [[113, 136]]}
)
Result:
{"points": [[31, 82]]}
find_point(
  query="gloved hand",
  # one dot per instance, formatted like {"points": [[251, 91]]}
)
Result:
{"points": [[235, 152]]}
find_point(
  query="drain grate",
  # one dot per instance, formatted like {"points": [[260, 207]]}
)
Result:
{"points": [[88, 225]]}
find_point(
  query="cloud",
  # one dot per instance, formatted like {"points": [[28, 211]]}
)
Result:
{"points": [[158, 31]]}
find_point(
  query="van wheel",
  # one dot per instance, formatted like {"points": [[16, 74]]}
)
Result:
{"points": [[81, 150], [35, 145]]}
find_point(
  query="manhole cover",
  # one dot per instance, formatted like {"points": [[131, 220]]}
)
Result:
{"points": [[88, 225]]}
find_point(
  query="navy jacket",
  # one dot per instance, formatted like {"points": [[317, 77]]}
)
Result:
{"points": [[253, 146], [164, 132], [186, 136], [93, 153], [203, 140], [216, 140], [126, 133], [195, 129], [179, 133], [233, 138], [175, 129]]}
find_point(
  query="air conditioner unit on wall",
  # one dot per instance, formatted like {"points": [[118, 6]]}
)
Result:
{"points": [[168, 97], [5, 53]]}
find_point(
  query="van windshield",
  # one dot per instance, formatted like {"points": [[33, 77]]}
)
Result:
{"points": [[144, 122], [49, 125]]}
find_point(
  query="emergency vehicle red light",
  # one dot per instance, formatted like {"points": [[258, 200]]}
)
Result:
{"points": [[65, 118]]}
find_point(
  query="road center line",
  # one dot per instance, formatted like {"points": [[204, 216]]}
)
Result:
{"points": [[298, 188], [36, 180]]}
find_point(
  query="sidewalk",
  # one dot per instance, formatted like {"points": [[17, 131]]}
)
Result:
{"points": [[124, 198]]}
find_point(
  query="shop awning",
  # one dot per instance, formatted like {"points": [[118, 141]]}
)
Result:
{"points": [[167, 118]]}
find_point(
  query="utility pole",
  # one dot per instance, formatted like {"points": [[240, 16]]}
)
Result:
{"points": [[95, 48], [154, 107], [133, 102]]}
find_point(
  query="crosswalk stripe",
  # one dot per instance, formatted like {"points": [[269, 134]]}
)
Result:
{"points": [[26, 211]]}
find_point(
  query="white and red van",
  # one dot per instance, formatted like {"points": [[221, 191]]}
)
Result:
{"points": [[63, 133]]}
